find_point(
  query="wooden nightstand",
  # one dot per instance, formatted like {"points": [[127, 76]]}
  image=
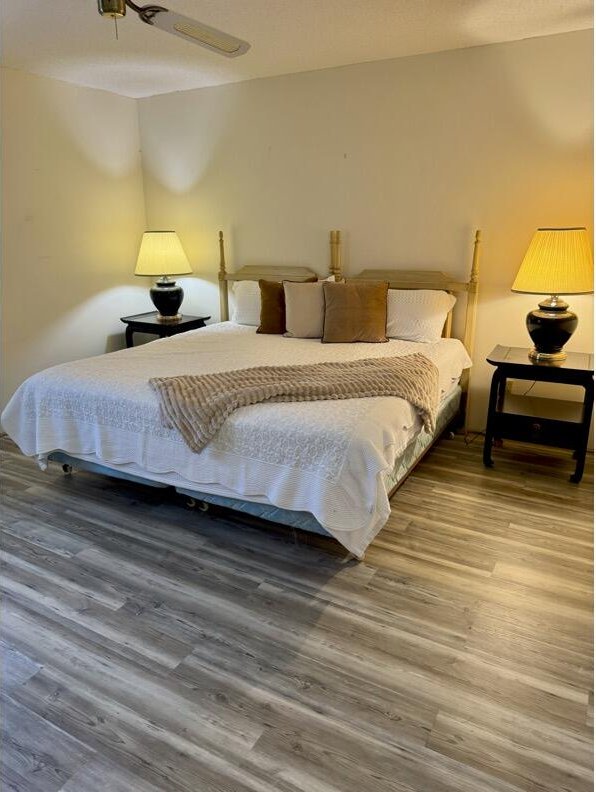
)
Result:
{"points": [[147, 323], [514, 423]]}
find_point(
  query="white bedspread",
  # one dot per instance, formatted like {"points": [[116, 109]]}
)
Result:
{"points": [[327, 457]]}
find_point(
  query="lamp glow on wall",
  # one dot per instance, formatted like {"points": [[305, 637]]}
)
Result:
{"points": [[161, 254], [558, 261]]}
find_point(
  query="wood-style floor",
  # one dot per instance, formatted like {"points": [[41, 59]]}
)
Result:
{"points": [[150, 648]]}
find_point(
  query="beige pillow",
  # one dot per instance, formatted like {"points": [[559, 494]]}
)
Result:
{"points": [[304, 309], [355, 311], [273, 307]]}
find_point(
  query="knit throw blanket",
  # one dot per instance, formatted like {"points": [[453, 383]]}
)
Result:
{"points": [[197, 405]]}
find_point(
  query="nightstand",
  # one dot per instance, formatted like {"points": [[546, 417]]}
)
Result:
{"points": [[147, 323], [507, 417]]}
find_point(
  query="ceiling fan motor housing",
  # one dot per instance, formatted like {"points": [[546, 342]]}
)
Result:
{"points": [[113, 8]]}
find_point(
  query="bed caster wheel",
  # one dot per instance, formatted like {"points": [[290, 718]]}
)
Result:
{"points": [[67, 469], [192, 503], [451, 435]]}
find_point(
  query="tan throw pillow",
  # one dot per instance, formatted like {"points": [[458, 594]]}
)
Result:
{"points": [[273, 307], [355, 311], [304, 309]]}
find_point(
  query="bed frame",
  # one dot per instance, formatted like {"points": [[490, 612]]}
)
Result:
{"points": [[398, 279]]}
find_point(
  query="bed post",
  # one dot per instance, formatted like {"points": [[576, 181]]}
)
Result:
{"points": [[224, 313], [470, 324], [335, 263], [448, 324]]}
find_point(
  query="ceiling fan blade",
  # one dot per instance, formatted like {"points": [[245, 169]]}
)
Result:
{"points": [[198, 33]]}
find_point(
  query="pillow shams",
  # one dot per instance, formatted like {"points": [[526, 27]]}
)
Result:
{"points": [[355, 311], [305, 309], [417, 314], [247, 303]]}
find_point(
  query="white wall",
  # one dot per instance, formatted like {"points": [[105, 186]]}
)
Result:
{"points": [[72, 217], [407, 157]]}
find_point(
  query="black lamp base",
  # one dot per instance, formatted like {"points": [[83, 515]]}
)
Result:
{"points": [[167, 297], [550, 326]]}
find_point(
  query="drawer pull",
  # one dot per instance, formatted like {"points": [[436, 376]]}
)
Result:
{"points": [[536, 427]]}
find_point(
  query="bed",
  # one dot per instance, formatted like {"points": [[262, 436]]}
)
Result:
{"points": [[327, 467]]}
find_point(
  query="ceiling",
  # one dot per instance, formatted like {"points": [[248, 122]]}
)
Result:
{"points": [[68, 40]]}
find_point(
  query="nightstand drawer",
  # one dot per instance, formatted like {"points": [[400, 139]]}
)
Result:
{"points": [[530, 429]]}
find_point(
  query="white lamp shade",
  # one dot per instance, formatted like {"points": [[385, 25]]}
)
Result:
{"points": [[558, 261], [161, 253]]}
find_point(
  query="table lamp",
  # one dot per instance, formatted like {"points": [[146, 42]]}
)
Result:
{"points": [[558, 261], [161, 253]]}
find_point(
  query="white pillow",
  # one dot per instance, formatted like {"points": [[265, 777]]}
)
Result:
{"points": [[305, 309], [246, 309], [417, 314]]}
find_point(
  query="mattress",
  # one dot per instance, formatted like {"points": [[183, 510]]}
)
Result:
{"points": [[328, 458]]}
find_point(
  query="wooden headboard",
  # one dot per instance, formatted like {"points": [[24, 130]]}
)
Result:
{"points": [[271, 272], [431, 279], [398, 279]]}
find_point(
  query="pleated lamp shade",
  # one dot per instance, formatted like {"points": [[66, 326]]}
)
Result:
{"points": [[558, 261], [161, 253]]}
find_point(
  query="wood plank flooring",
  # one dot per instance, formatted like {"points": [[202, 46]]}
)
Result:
{"points": [[147, 648]]}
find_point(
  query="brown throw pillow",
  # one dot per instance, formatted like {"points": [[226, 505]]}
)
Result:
{"points": [[355, 311], [273, 307]]}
